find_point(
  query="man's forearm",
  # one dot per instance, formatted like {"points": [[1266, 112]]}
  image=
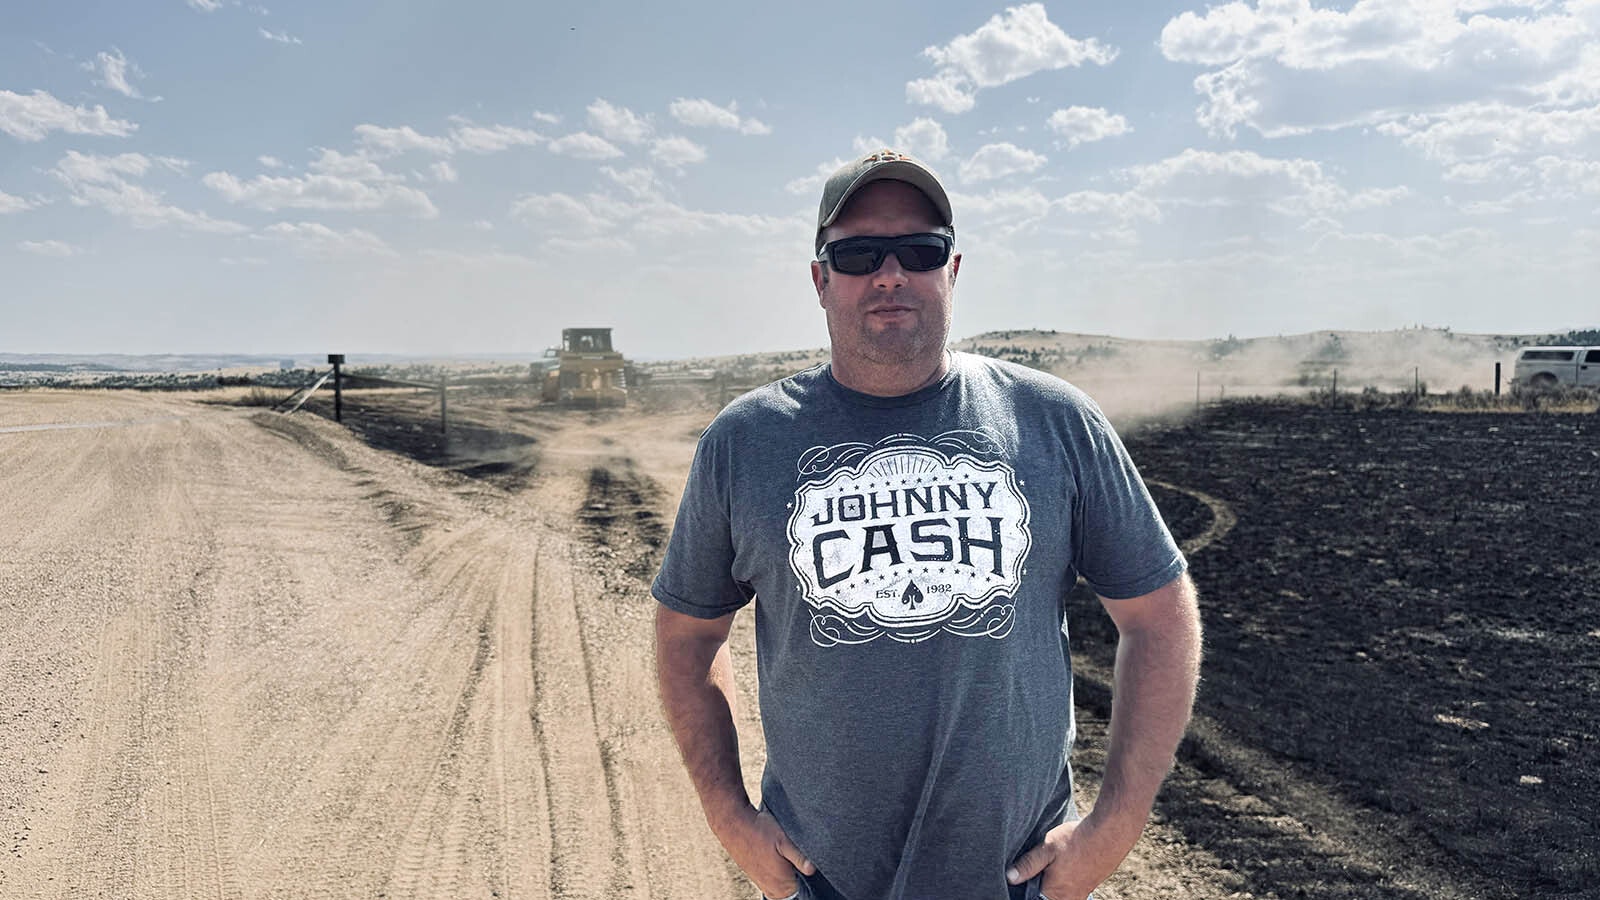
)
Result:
{"points": [[699, 700], [1157, 669]]}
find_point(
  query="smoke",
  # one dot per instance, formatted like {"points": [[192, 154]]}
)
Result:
{"points": [[1134, 380]]}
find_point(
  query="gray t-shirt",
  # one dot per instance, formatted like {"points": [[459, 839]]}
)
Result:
{"points": [[909, 558]]}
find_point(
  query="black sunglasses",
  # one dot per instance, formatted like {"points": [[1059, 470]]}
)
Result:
{"points": [[863, 255]]}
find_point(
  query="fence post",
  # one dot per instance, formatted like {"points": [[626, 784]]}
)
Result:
{"points": [[1416, 382], [337, 359], [1335, 382], [1497, 379]]}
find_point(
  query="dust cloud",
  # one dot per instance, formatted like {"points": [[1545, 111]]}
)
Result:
{"points": [[1139, 380], [1136, 380]]}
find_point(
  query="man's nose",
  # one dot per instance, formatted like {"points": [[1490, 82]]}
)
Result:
{"points": [[890, 274]]}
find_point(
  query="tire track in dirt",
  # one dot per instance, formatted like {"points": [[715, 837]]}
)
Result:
{"points": [[523, 800], [584, 841], [432, 838], [1222, 518], [558, 861], [620, 880]]}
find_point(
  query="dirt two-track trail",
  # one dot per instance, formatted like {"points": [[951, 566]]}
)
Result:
{"points": [[244, 655]]}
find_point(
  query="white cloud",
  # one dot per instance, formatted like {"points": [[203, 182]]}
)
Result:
{"points": [[30, 117], [583, 145], [998, 161], [600, 218], [494, 138], [443, 172], [1573, 174], [923, 138], [49, 248], [812, 184], [103, 181], [316, 239], [672, 220], [114, 69], [1483, 132], [639, 182], [548, 118], [282, 37], [76, 168], [334, 181], [948, 91], [999, 214], [1282, 67], [10, 204], [1482, 172], [1011, 45], [619, 123], [700, 113], [677, 152], [560, 213], [242, 261], [270, 162], [1083, 124], [206, 5], [1291, 187], [349, 165], [394, 141], [1124, 208]]}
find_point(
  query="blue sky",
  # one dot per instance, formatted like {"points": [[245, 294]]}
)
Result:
{"points": [[424, 177]]}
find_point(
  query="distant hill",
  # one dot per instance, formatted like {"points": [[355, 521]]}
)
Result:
{"points": [[1122, 371]]}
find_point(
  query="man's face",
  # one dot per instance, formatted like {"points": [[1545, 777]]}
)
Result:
{"points": [[891, 316]]}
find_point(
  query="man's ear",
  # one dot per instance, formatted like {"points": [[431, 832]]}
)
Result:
{"points": [[955, 266], [819, 276]]}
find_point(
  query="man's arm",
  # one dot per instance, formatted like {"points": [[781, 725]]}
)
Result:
{"points": [[695, 672], [1157, 669]]}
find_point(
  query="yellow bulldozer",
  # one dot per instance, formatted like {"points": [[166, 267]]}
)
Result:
{"points": [[584, 370]]}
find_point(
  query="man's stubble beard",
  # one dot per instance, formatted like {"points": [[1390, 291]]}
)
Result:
{"points": [[895, 346]]}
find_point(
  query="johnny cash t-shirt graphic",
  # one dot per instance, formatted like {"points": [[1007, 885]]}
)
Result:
{"points": [[909, 537]]}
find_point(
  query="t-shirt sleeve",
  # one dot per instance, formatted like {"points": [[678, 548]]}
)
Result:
{"points": [[696, 576], [1121, 544]]}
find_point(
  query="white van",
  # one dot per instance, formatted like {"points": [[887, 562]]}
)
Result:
{"points": [[1547, 367]]}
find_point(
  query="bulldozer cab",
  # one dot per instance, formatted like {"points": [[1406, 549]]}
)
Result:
{"points": [[586, 340]]}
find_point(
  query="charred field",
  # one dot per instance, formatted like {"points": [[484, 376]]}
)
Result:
{"points": [[1402, 622]]}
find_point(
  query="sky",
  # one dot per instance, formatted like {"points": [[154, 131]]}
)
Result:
{"points": [[199, 176]]}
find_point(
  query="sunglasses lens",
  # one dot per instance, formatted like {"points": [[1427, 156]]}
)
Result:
{"points": [[857, 257], [922, 253], [863, 255]]}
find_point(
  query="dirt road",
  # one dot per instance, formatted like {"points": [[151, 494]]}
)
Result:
{"points": [[243, 655]]}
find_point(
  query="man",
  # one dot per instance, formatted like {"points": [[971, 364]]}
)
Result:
{"points": [[909, 522]]}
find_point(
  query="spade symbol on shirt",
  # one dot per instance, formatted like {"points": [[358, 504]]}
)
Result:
{"points": [[912, 596]]}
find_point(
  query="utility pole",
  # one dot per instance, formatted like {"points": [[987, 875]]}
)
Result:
{"points": [[338, 395]]}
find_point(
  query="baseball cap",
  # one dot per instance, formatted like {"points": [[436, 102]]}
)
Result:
{"points": [[884, 165]]}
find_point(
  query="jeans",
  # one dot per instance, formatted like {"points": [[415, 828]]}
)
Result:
{"points": [[816, 887]]}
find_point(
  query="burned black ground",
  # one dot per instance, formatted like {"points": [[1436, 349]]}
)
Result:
{"points": [[1405, 616]]}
